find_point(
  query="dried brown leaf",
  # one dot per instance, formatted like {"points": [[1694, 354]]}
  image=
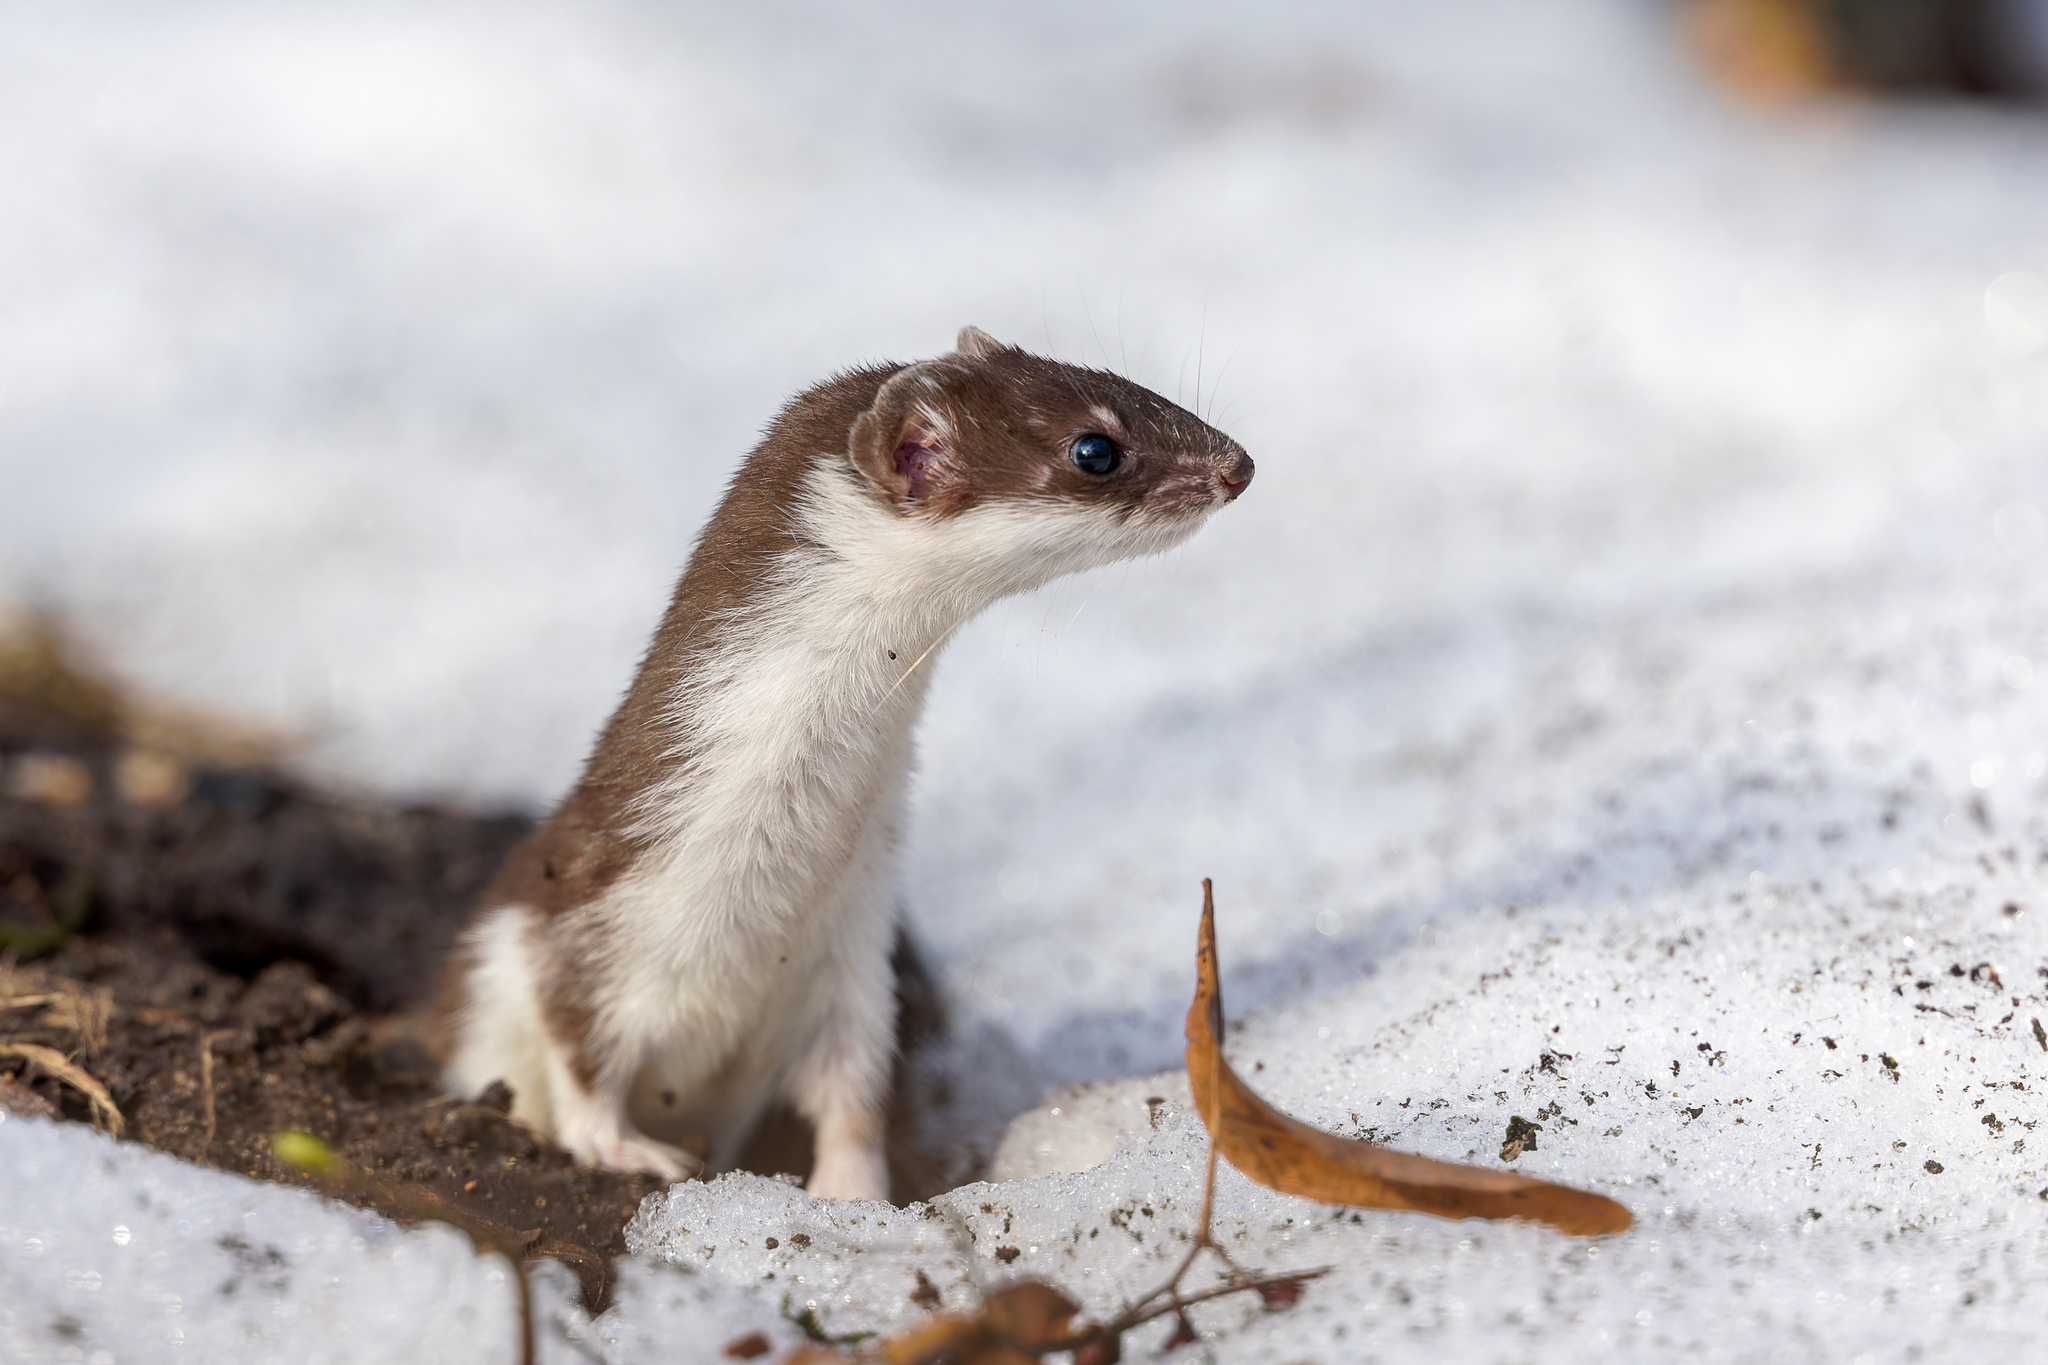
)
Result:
{"points": [[951, 1339], [1015, 1326], [1285, 1154], [1029, 1314], [941, 1338], [1107, 1349], [1281, 1293], [1764, 50]]}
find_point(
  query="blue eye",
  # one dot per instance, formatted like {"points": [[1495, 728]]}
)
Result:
{"points": [[1097, 455]]}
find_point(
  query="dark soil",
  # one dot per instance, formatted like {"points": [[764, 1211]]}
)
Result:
{"points": [[242, 954]]}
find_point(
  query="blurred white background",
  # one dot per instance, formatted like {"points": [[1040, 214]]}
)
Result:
{"points": [[368, 369]]}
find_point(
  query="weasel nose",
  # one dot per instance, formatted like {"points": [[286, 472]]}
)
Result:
{"points": [[1238, 477]]}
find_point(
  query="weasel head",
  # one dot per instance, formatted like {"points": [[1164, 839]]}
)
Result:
{"points": [[1048, 468]]}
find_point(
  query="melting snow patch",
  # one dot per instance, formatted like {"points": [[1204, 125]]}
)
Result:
{"points": [[112, 1252]]}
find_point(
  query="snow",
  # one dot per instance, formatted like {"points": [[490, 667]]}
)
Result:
{"points": [[1634, 639], [112, 1252]]}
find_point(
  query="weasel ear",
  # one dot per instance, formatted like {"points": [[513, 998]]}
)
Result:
{"points": [[975, 344], [903, 444]]}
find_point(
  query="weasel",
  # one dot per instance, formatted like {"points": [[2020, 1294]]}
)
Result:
{"points": [[706, 920]]}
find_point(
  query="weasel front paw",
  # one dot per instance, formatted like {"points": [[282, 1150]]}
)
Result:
{"points": [[632, 1154]]}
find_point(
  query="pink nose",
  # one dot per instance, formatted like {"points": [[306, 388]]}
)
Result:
{"points": [[1239, 476]]}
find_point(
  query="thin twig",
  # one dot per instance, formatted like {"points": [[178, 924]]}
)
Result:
{"points": [[1138, 1316], [206, 1084], [519, 1282], [1203, 1242]]}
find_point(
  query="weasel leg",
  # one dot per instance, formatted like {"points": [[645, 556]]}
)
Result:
{"points": [[851, 1163], [498, 1031], [590, 1120], [502, 1033], [841, 1084]]}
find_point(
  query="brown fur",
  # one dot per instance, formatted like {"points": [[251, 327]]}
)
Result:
{"points": [[584, 846]]}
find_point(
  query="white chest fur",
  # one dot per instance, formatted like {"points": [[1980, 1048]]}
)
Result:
{"points": [[793, 748]]}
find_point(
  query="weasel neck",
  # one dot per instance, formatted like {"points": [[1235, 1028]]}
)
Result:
{"points": [[801, 701]]}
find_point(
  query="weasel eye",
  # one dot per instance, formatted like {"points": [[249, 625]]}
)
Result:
{"points": [[1097, 455]]}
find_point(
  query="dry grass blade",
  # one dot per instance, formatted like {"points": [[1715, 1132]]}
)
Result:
{"points": [[1285, 1154], [60, 1067], [82, 1013], [206, 1043]]}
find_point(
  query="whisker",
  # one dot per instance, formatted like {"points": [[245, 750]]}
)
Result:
{"points": [[997, 671], [1220, 373], [1089, 314], [1250, 414]]}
